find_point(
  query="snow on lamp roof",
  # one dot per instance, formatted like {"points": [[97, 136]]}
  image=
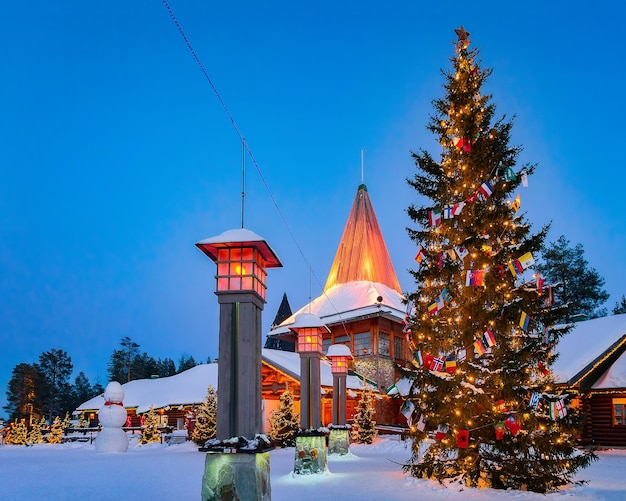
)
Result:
{"points": [[239, 236], [304, 320], [338, 350]]}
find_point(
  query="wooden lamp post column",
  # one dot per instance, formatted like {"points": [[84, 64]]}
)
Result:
{"points": [[242, 258], [310, 330], [340, 356]]}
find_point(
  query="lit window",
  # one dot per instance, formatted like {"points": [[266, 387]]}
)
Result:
{"points": [[619, 411]]}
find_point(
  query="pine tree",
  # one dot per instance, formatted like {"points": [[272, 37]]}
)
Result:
{"points": [[284, 422], [150, 430], [620, 307], [19, 434], [206, 419], [56, 431], [364, 428], [35, 436], [477, 327]]}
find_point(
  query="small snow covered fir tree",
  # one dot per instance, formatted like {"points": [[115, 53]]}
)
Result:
{"points": [[486, 407], [56, 431], [150, 430], [19, 434], [82, 422], [364, 428], [35, 436], [206, 419], [284, 422], [67, 423]]}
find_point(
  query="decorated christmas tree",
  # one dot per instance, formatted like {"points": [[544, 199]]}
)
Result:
{"points": [[18, 434], [364, 428], [483, 406], [150, 429], [82, 422], [56, 431], [284, 422], [206, 419], [35, 436]]}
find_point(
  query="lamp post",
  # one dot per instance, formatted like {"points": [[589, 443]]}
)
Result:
{"points": [[340, 356], [310, 330], [242, 258]]}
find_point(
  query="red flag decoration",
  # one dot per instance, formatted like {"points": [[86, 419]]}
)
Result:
{"points": [[549, 301], [539, 283], [543, 369], [499, 427], [475, 278], [512, 425], [462, 143], [437, 364], [441, 432], [472, 198], [440, 261], [485, 189], [462, 439]]}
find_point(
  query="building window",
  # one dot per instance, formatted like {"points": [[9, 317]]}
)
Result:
{"points": [[398, 348], [362, 343], [619, 411], [326, 344], [383, 344]]}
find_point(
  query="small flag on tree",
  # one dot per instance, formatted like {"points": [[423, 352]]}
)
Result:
{"points": [[526, 260], [525, 180], [475, 278], [407, 411], [421, 423], [462, 439], [512, 425], [534, 400], [479, 347], [461, 251], [517, 203], [488, 339], [499, 427], [486, 189], [421, 255], [434, 217], [451, 364], [441, 432], [509, 174], [437, 364], [524, 321]]}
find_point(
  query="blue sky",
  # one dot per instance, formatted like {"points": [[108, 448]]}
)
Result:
{"points": [[116, 156]]}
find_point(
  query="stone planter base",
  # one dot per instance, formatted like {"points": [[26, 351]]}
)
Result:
{"points": [[236, 476], [310, 455], [339, 441]]}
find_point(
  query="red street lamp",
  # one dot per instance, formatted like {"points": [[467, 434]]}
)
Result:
{"points": [[340, 357], [310, 330], [242, 257]]}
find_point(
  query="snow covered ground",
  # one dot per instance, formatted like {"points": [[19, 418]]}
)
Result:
{"points": [[370, 472]]}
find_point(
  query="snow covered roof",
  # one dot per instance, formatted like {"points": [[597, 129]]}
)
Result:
{"points": [[350, 301], [585, 344], [190, 387], [614, 377]]}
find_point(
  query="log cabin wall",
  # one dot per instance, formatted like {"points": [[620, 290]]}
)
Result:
{"points": [[599, 428]]}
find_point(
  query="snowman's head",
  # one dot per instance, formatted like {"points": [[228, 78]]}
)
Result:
{"points": [[114, 392]]}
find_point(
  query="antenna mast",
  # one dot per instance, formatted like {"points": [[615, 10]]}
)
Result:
{"points": [[362, 166], [243, 176]]}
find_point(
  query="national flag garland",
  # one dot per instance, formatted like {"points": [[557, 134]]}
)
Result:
{"points": [[421, 255], [475, 278], [461, 251], [526, 260], [534, 400], [437, 364], [516, 204], [479, 347], [451, 364], [557, 410], [488, 339], [486, 189], [407, 411]]}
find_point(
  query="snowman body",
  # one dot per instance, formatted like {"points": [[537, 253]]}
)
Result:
{"points": [[112, 417]]}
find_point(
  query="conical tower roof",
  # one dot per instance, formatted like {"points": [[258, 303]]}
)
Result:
{"points": [[362, 253]]}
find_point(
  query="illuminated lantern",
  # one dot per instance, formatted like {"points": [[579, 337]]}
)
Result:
{"points": [[340, 357], [310, 330], [242, 258]]}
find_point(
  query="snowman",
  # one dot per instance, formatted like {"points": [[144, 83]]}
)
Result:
{"points": [[112, 417]]}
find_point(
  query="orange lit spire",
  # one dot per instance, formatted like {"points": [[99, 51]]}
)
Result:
{"points": [[362, 253]]}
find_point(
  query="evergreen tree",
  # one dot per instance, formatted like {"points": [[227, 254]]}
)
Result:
{"points": [[206, 419], [26, 390], [35, 436], [284, 422], [150, 430], [81, 392], [18, 434], [185, 362], [578, 287], [56, 431], [120, 364], [476, 332], [82, 422], [166, 367], [56, 367], [364, 428], [620, 307], [144, 366]]}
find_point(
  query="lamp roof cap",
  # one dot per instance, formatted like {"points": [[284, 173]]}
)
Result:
{"points": [[304, 320], [338, 350], [236, 238]]}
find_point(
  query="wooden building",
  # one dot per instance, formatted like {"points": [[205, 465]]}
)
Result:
{"points": [[592, 359]]}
